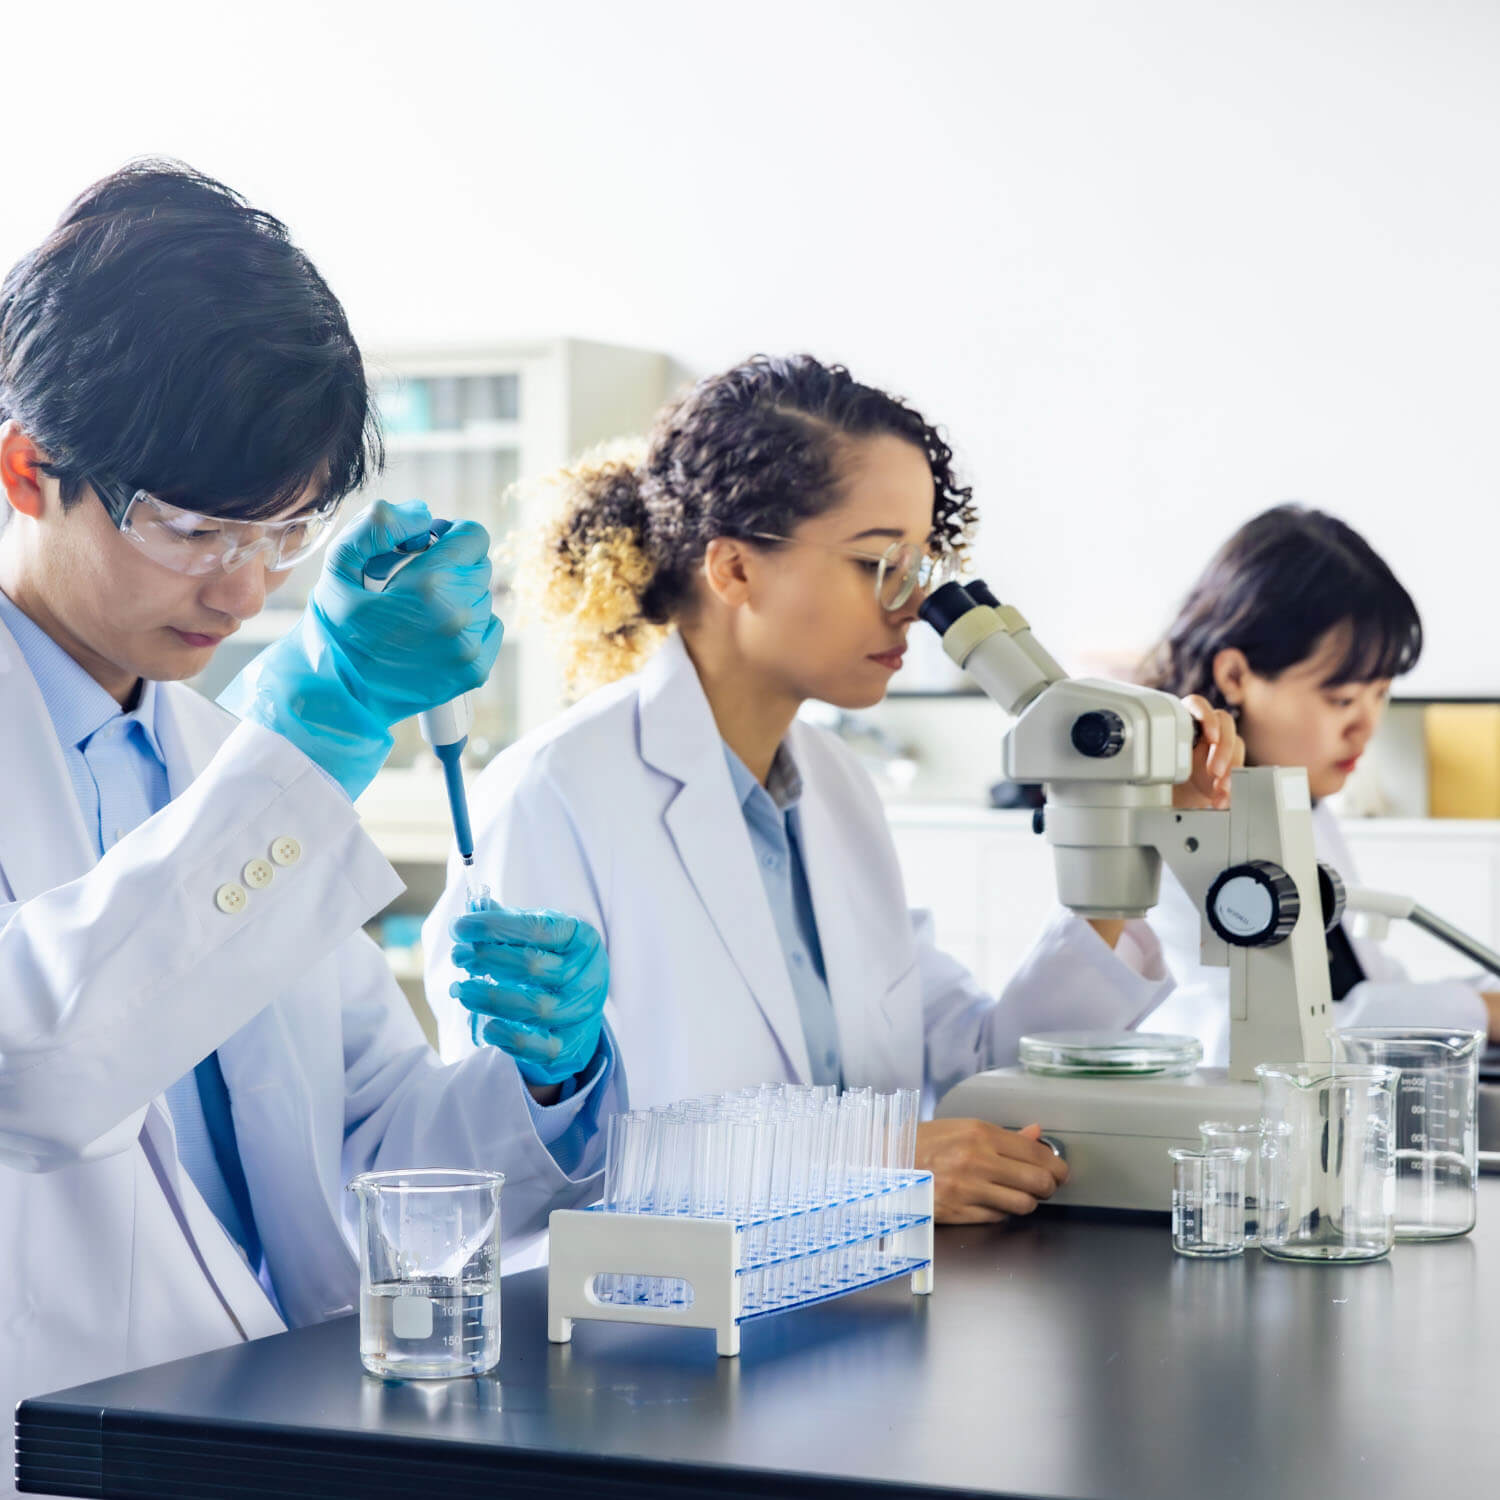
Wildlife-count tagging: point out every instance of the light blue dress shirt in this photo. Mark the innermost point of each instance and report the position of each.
(775, 824)
(119, 777)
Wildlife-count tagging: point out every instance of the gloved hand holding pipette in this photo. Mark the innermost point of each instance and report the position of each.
(536, 987)
(360, 661)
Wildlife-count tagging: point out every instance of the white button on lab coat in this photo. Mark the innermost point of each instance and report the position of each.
(623, 812)
(1199, 1006)
(119, 975)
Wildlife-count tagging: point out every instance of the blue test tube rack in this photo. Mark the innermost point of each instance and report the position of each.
(723, 1272)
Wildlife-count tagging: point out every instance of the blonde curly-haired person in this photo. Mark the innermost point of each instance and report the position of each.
(772, 546)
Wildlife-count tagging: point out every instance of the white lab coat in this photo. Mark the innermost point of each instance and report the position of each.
(1199, 1006)
(118, 975)
(623, 812)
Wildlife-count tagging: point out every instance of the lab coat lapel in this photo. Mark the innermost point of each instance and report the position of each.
(680, 738)
(269, 1095)
(852, 916)
(190, 730)
(238, 1289)
(43, 841)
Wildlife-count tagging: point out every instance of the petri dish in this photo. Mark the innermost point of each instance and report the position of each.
(1109, 1054)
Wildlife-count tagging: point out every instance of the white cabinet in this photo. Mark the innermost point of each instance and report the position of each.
(461, 427)
(985, 876)
(1452, 867)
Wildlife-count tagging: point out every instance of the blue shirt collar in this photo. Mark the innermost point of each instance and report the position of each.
(783, 785)
(76, 704)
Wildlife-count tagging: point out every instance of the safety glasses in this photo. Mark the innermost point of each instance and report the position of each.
(899, 571)
(188, 542)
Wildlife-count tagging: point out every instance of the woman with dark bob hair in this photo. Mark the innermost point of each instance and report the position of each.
(1298, 628)
(771, 545)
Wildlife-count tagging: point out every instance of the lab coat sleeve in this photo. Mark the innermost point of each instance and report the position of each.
(404, 1107)
(1444, 1002)
(116, 984)
(1390, 997)
(1072, 979)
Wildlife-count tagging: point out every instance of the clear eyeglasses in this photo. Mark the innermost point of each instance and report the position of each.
(900, 570)
(187, 542)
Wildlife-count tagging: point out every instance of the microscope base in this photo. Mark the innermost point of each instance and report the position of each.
(1114, 1131)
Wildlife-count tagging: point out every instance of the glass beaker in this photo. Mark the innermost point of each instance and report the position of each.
(1437, 1136)
(1328, 1160)
(1208, 1201)
(1216, 1135)
(429, 1272)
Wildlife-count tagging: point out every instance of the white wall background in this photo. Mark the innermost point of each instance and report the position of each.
(1155, 264)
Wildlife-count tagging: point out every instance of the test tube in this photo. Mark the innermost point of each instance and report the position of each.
(477, 896)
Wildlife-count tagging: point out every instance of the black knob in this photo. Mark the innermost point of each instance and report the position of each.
(1254, 905)
(1098, 733)
(1039, 820)
(1332, 893)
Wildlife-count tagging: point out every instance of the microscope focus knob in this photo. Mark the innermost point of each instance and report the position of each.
(1098, 733)
(1254, 905)
(1333, 895)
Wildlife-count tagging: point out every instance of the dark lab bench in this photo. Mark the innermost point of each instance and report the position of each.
(1071, 1355)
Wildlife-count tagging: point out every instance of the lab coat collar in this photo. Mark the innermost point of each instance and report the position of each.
(680, 739)
(190, 730)
(44, 842)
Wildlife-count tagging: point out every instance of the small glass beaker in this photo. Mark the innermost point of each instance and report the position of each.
(1216, 1135)
(1328, 1160)
(1437, 1137)
(429, 1272)
(1208, 1201)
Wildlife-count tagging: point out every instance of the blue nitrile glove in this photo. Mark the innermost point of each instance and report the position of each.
(359, 662)
(536, 987)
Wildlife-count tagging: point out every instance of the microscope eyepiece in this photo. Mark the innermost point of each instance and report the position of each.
(981, 593)
(947, 605)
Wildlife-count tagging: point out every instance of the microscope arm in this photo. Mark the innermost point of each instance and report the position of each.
(1388, 906)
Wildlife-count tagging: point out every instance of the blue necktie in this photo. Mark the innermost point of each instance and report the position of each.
(207, 1147)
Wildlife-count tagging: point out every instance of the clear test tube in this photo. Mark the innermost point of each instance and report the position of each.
(741, 1172)
(853, 1151)
(783, 1151)
(891, 1125)
(902, 1150)
(877, 1205)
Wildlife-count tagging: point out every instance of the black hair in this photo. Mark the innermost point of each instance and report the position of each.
(1275, 590)
(169, 337)
(757, 448)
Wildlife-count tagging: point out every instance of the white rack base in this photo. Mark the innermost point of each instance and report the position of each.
(714, 1261)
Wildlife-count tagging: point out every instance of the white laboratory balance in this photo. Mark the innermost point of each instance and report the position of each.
(1109, 755)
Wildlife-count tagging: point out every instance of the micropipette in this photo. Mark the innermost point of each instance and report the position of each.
(446, 727)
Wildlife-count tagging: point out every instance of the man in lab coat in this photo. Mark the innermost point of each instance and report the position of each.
(198, 1047)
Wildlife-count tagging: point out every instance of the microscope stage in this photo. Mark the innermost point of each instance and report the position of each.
(1114, 1132)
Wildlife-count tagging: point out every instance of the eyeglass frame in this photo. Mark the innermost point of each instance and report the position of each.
(117, 499)
(913, 580)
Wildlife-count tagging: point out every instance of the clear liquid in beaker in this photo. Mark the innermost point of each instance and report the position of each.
(1434, 1194)
(426, 1330)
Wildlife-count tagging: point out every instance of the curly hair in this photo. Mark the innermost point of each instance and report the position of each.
(758, 448)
